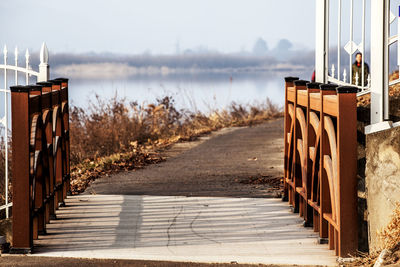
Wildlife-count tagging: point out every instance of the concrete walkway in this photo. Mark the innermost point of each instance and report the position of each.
(178, 228)
(214, 166)
(193, 207)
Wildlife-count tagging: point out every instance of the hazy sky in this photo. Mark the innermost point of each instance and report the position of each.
(135, 26)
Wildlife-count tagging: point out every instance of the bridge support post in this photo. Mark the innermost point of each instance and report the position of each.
(22, 217)
(347, 172)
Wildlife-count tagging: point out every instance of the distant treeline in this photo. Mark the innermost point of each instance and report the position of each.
(208, 60)
(184, 61)
(211, 61)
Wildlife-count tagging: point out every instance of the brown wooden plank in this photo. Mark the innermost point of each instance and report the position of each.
(331, 105)
(347, 172)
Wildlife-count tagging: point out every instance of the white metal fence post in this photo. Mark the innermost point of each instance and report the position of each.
(27, 57)
(16, 64)
(339, 37)
(6, 132)
(379, 66)
(44, 69)
(321, 45)
(378, 58)
(351, 41)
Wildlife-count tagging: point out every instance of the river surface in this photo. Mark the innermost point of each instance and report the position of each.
(196, 93)
(204, 92)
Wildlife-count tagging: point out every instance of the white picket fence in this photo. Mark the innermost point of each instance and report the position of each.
(41, 75)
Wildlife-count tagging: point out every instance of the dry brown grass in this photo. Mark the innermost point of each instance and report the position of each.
(390, 235)
(394, 92)
(390, 240)
(115, 135)
(110, 127)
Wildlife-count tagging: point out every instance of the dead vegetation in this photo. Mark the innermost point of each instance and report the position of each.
(394, 92)
(115, 135)
(390, 237)
(389, 253)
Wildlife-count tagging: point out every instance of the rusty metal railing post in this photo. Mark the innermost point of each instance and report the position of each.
(22, 211)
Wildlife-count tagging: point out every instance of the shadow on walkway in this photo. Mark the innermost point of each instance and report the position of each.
(198, 229)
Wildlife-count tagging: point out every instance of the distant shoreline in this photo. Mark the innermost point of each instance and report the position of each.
(123, 70)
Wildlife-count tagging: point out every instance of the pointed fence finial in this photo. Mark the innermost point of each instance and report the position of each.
(5, 51)
(16, 53)
(44, 69)
(333, 71)
(16, 64)
(44, 54)
(344, 75)
(27, 56)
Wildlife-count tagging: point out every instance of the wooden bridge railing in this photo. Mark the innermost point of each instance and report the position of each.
(321, 159)
(40, 158)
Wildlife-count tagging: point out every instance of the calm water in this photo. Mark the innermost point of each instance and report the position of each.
(194, 92)
(203, 93)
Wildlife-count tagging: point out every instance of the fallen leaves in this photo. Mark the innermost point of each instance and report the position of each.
(390, 235)
(84, 173)
(390, 238)
(271, 181)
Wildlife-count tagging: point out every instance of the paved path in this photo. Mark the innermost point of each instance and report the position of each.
(213, 167)
(191, 208)
(170, 228)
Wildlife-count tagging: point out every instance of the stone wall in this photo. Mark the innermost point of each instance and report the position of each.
(382, 180)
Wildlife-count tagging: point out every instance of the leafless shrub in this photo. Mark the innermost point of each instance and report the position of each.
(108, 127)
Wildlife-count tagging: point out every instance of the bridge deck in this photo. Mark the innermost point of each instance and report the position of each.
(196, 229)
